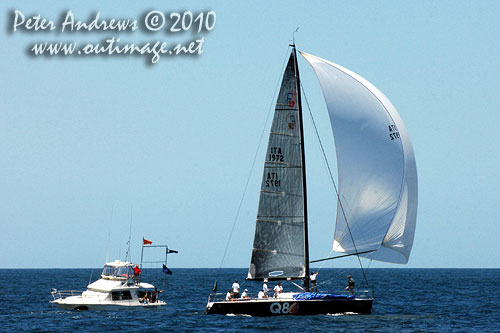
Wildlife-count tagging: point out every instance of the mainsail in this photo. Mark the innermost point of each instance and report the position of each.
(377, 174)
(279, 243)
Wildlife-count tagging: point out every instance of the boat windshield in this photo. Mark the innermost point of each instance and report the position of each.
(125, 271)
(121, 271)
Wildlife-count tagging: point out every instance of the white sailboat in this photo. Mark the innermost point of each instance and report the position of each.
(376, 194)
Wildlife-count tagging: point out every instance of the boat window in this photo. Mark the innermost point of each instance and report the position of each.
(124, 271)
(121, 295)
(126, 295)
(108, 270)
(115, 295)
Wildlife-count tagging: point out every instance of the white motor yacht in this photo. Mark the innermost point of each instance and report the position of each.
(117, 288)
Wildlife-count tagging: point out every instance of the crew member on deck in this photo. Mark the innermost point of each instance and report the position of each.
(228, 295)
(245, 294)
(278, 289)
(236, 289)
(265, 289)
(261, 294)
(313, 282)
(350, 285)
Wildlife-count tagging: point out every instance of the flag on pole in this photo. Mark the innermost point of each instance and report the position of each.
(166, 270)
(172, 251)
(215, 286)
(146, 242)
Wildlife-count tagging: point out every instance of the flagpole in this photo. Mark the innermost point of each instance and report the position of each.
(142, 250)
(165, 265)
(166, 256)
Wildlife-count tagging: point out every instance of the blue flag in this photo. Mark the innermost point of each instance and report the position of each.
(166, 270)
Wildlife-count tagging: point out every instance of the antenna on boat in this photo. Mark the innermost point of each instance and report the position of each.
(127, 255)
(293, 36)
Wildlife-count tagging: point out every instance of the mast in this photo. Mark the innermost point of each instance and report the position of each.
(302, 150)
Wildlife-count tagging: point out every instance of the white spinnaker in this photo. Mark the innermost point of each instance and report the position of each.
(377, 174)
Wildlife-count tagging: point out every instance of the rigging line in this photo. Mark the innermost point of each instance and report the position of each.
(321, 267)
(335, 186)
(324, 263)
(253, 164)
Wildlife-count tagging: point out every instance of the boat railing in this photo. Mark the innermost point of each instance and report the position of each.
(364, 293)
(359, 293)
(57, 294)
(216, 297)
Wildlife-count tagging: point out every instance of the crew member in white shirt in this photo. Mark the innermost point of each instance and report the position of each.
(245, 294)
(313, 282)
(236, 289)
(265, 288)
(278, 289)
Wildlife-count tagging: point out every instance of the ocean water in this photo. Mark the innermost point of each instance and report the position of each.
(406, 300)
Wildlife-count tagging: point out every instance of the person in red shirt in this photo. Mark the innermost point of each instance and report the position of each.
(137, 270)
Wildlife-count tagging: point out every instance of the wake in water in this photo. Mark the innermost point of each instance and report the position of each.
(342, 314)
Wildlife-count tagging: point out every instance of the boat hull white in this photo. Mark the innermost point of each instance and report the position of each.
(82, 305)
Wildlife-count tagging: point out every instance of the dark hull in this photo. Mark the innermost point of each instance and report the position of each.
(273, 307)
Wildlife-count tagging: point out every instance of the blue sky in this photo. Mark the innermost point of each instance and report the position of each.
(85, 140)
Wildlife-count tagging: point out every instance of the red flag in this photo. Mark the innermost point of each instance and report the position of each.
(146, 242)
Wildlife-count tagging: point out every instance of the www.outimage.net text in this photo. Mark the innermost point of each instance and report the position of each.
(151, 22)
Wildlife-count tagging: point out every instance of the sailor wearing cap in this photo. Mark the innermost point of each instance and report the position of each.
(265, 289)
(245, 294)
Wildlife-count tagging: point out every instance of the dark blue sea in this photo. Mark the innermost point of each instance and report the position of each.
(406, 300)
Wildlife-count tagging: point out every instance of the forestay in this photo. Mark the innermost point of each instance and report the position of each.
(279, 249)
(377, 177)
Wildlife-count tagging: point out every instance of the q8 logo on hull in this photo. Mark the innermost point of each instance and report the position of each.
(284, 308)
